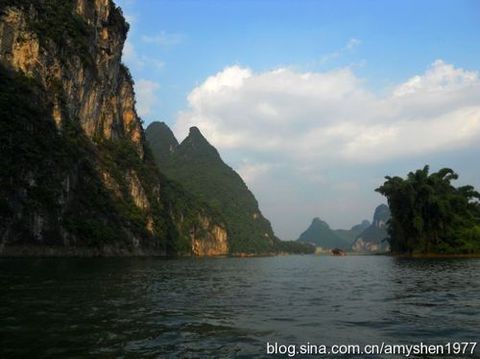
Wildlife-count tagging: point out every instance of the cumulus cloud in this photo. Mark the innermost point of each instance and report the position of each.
(331, 116)
(145, 91)
(318, 143)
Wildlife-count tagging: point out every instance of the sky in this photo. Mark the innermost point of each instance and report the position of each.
(314, 102)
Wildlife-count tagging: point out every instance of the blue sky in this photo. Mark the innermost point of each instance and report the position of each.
(398, 39)
(210, 63)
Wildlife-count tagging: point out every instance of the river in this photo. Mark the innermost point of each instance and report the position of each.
(225, 307)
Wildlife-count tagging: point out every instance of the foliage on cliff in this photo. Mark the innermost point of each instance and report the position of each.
(293, 247)
(430, 215)
(197, 166)
(57, 21)
(61, 185)
(36, 159)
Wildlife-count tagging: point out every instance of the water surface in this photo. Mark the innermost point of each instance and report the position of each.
(226, 307)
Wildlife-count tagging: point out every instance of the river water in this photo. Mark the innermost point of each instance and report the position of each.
(226, 307)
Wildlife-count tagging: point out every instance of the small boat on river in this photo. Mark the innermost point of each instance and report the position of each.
(337, 252)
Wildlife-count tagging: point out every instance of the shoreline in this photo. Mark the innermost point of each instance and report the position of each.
(434, 255)
(115, 252)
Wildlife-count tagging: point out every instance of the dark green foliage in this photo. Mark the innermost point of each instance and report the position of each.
(57, 21)
(36, 160)
(430, 215)
(161, 140)
(293, 247)
(320, 234)
(197, 166)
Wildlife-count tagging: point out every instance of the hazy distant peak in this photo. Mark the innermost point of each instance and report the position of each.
(359, 228)
(318, 222)
(382, 214)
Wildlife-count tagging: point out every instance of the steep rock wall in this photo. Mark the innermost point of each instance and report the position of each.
(77, 171)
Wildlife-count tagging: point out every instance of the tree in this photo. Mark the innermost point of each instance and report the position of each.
(430, 215)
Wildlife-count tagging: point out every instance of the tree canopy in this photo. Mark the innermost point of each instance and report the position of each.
(430, 215)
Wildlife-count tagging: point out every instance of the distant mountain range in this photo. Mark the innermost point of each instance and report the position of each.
(373, 238)
(363, 237)
(320, 234)
(351, 234)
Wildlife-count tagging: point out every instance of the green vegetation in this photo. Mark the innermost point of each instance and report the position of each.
(196, 166)
(56, 21)
(54, 180)
(37, 161)
(430, 215)
(293, 247)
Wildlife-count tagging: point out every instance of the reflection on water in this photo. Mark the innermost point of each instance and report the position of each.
(232, 306)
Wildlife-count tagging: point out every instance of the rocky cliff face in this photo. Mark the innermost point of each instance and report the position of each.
(76, 172)
(82, 70)
(212, 242)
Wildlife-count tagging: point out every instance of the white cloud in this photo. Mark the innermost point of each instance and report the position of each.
(145, 91)
(352, 43)
(350, 46)
(331, 116)
(440, 77)
(163, 39)
(250, 172)
(318, 143)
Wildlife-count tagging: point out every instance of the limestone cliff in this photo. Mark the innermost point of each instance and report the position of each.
(76, 172)
(209, 239)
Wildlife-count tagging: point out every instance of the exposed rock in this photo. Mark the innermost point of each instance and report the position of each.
(76, 177)
(215, 244)
(136, 191)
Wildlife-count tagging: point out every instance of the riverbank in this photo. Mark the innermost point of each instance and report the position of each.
(435, 255)
(108, 251)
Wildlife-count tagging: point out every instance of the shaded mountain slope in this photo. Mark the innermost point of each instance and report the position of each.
(198, 167)
(77, 177)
